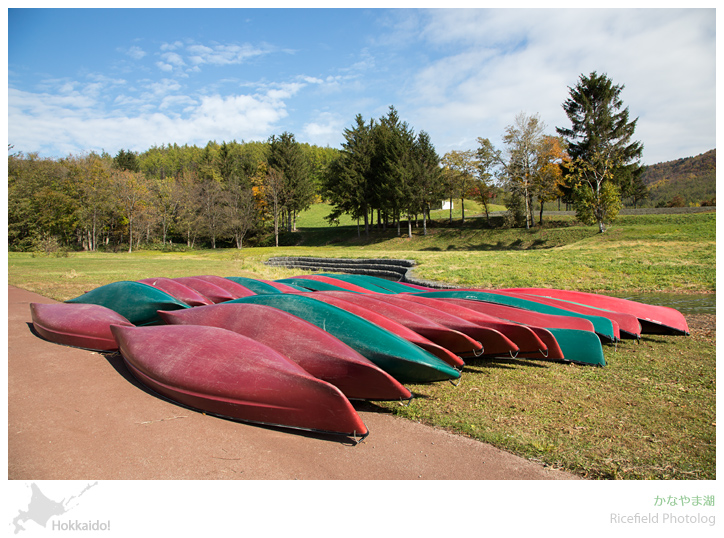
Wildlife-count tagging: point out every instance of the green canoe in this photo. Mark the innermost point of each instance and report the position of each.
(311, 285)
(404, 361)
(135, 301)
(257, 286)
(580, 347)
(602, 326)
(364, 281)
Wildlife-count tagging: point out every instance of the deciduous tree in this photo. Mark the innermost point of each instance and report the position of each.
(463, 167)
(522, 141)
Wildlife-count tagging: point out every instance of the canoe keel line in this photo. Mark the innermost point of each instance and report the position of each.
(294, 353)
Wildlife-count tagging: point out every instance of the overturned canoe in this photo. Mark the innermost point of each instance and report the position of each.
(319, 353)
(524, 338)
(526, 317)
(574, 337)
(235, 289)
(309, 284)
(333, 282)
(183, 293)
(135, 301)
(454, 341)
(207, 289)
(260, 286)
(371, 284)
(389, 285)
(86, 326)
(391, 326)
(604, 327)
(226, 374)
(491, 341)
(402, 360)
(628, 324)
(654, 319)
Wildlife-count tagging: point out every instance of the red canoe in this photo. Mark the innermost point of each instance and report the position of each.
(208, 289)
(86, 326)
(175, 289)
(654, 319)
(454, 341)
(492, 342)
(526, 317)
(234, 288)
(553, 349)
(628, 323)
(523, 337)
(315, 350)
(226, 374)
(390, 325)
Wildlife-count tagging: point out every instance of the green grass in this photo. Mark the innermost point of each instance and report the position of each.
(314, 217)
(650, 413)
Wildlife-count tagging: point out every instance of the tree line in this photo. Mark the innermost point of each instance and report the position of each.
(222, 194)
(218, 194)
(387, 170)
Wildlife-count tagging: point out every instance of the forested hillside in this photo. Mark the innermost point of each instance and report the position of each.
(683, 182)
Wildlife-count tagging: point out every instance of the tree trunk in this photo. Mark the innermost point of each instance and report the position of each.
(540, 220)
(130, 235)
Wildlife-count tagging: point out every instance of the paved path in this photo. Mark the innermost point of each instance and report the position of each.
(74, 414)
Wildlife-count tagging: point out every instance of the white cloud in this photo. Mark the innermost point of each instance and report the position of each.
(173, 59)
(73, 123)
(172, 46)
(325, 130)
(222, 54)
(491, 64)
(136, 53)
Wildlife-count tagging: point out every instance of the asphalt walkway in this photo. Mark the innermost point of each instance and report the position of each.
(78, 415)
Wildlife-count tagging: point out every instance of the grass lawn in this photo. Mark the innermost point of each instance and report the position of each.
(650, 413)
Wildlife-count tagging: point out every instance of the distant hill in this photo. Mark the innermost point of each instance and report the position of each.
(693, 179)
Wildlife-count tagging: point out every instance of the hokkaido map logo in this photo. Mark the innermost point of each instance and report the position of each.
(41, 509)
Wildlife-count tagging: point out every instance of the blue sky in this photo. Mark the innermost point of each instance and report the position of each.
(107, 79)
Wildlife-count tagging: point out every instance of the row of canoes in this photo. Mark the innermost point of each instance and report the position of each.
(294, 352)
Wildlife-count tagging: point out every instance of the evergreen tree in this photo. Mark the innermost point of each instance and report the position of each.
(126, 160)
(427, 186)
(601, 147)
(286, 156)
(347, 182)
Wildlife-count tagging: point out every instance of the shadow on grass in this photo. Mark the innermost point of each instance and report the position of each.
(481, 364)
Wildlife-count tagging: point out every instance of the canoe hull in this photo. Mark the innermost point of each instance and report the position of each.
(522, 337)
(454, 341)
(209, 290)
(319, 353)
(604, 327)
(139, 303)
(654, 319)
(86, 326)
(183, 293)
(628, 324)
(226, 374)
(402, 360)
(391, 326)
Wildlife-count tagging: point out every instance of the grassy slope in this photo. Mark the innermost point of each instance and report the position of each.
(649, 414)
